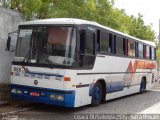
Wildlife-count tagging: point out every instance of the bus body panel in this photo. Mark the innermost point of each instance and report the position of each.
(82, 81)
(47, 78)
(127, 82)
(37, 86)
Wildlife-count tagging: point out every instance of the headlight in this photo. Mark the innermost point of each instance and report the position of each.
(16, 91)
(43, 94)
(13, 91)
(19, 91)
(56, 97)
(25, 92)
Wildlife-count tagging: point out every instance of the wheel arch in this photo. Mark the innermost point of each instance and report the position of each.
(145, 80)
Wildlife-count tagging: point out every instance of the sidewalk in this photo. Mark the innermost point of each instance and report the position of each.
(155, 109)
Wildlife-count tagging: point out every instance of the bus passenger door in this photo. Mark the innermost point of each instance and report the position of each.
(85, 63)
(86, 52)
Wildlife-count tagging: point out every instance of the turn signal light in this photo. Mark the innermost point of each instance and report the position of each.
(67, 79)
(11, 73)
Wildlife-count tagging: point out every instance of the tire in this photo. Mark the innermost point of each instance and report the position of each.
(96, 94)
(142, 86)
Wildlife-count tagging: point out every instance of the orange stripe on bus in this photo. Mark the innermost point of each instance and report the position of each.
(139, 64)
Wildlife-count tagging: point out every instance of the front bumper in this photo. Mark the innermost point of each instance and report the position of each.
(43, 95)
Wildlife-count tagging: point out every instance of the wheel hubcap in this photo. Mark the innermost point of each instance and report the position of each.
(142, 86)
(97, 93)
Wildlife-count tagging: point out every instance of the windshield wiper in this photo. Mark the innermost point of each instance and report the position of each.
(29, 53)
(27, 56)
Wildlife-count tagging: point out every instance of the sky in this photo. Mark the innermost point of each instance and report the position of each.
(150, 9)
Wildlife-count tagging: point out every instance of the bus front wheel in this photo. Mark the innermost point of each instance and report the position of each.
(96, 94)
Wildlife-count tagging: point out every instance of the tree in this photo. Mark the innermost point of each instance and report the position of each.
(139, 30)
(28, 8)
(101, 11)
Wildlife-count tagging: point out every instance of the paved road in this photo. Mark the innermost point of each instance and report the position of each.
(147, 103)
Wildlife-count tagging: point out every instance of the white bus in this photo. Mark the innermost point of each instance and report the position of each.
(73, 62)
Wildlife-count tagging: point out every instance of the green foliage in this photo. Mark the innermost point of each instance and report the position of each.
(101, 11)
(139, 30)
(158, 55)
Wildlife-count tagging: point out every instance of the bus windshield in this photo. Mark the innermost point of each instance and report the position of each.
(47, 45)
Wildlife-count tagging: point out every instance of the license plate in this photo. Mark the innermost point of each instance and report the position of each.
(34, 94)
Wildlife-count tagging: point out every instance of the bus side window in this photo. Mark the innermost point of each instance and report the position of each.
(144, 51)
(82, 42)
(119, 46)
(150, 53)
(104, 42)
(114, 39)
(111, 43)
(124, 46)
(131, 48)
(140, 50)
(87, 48)
(87, 40)
(147, 52)
(136, 49)
(98, 41)
(153, 53)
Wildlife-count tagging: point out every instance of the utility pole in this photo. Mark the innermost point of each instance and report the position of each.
(158, 50)
(159, 35)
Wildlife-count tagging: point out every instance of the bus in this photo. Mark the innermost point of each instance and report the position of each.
(72, 62)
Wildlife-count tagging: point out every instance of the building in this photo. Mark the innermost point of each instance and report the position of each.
(9, 21)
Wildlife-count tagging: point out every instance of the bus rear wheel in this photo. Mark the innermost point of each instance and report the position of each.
(142, 86)
(96, 94)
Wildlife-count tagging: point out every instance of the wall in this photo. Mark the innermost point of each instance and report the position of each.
(9, 21)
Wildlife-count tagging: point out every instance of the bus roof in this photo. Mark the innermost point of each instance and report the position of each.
(70, 21)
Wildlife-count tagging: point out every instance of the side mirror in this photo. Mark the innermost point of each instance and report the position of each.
(11, 41)
(8, 43)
